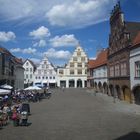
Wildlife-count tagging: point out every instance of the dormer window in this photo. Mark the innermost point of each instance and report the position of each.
(27, 63)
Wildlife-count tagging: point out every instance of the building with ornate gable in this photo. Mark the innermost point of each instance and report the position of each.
(74, 74)
(29, 67)
(121, 36)
(45, 74)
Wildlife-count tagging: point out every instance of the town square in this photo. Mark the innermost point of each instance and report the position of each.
(69, 70)
(77, 114)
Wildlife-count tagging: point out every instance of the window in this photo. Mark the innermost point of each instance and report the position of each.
(46, 77)
(86, 65)
(53, 77)
(74, 58)
(36, 77)
(31, 76)
(50, 77)
(45, 71)
(71, 64)
(30, 69)
(27, 64)
(94, 73)
(60, 71)
(137, 69)
(79, 65)
(42, 77)
(51, 71)
(79, 71)
(39, 71)
(117, 70)
(71, 71)
(123, 69)
(26, 76)
(111, 71)
(26, 69)
(45, 62)
(47, 66)
(85, 71)
(78, 53)
(83, 59)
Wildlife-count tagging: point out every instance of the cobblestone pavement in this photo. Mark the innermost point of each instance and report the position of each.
(77, 114)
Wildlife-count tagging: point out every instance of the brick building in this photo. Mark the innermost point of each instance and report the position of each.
(122, 33)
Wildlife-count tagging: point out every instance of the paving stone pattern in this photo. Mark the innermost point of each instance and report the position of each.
(77, 114)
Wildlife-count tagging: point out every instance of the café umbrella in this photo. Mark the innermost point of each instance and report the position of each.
(32, 88)
(6, 86)
(4, 91)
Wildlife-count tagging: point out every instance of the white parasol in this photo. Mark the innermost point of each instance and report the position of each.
(4, 91)
(32, 88)
(6, 86)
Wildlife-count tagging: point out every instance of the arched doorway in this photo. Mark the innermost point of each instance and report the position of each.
(71, 83)
(79, 83)
(111, 90)
(100, 87)
(118, 89)
(126, 93)
(95, 86)
(105, 88)
(136, 92)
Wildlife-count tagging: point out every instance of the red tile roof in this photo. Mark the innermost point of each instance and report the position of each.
(136, 40)
(18, 60)
(4, 50)
(101, 59)
(91, 63)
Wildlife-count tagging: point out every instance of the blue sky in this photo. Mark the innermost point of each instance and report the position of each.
(31, 28)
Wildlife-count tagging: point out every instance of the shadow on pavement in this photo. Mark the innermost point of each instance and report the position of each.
(130, 136)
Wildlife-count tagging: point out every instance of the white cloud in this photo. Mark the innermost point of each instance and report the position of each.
(15, 50)
(24, 51)
(92, 58)
(35, 60)
(64, 40)
(7, 36)
(74, 13)
(78, 14)
(61, 54)
(39, 33)
(29, 51)
(41, 43)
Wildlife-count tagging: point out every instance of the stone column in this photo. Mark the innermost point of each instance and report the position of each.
(75, 83)
(67, 83)
(132, 98)
(122, 95)
(83, 83)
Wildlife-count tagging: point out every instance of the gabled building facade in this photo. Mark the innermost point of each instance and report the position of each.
(74, 74)
(121, 36)
(29, 68)
(45, 74)
(135, 68)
